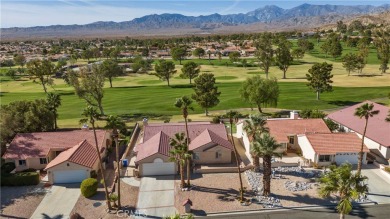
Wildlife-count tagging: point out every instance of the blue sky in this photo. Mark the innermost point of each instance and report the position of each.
(15, 13)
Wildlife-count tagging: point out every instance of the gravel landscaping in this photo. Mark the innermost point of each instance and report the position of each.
(21, 201)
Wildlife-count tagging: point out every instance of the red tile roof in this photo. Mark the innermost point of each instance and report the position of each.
(83, 154)
(158, 144)
(193, 129)
(38, 144)
(156, 137)
(330, 144)
(207, 137)
(282, 128)
(378, 129)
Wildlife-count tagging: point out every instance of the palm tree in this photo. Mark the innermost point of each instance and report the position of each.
(184, 103)
(90, 113)
(115, 123)
(53, 102)
(178, 153)
(233, 114)
(255, 126)
(266, 147)
(340, 180)
(366, 111)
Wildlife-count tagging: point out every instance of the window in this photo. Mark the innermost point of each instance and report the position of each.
(218, 154)
(22, 162)
(196, 156)
(324, 158)
(291, 139)
(43, 160)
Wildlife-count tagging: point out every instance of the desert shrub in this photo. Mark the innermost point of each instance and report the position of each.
(387, 169)
(89, 187)
(216, 119)
(20, 179)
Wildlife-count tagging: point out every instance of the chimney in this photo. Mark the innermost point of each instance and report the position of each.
(294, 115)
(85, 127)
(145, 121)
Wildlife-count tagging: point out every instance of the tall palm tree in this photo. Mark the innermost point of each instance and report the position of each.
(53, 102)
(254, 127)
(233, 114)
(184, 103)
(340, 180)
(90, 113)
(366, 110)
(266, 147)
(178, 153)
(115, 123)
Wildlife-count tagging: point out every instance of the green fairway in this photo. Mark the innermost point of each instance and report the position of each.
(159, 99)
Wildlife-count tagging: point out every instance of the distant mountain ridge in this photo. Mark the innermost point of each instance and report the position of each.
(148, 23)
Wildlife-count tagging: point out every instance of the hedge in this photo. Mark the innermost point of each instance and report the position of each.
(7, 167)
(20, 179)
(89, 187)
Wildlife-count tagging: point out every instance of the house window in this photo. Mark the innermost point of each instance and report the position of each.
(218, 154)
(324, 158)
(43, 160)
(291, 139)
(22, 162)
(196, 156)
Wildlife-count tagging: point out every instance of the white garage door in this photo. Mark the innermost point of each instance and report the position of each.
(69, 176)
(158, 168)
(351, 158)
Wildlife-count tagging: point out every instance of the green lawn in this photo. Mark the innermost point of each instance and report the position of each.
(159, 99)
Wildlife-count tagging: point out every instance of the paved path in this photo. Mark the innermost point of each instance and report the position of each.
(156, 196)
(58, 202)
(378, 185)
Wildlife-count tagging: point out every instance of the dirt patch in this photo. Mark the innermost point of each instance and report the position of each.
(218, 193)
(20, 202)
(95, 207)
(213, 193)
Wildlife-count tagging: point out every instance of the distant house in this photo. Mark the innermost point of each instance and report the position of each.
(68, 156)
(285, 131)
(378, 130)
(209, 145)
(324, 149)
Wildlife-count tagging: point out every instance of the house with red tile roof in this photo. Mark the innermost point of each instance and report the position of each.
(68, 156)
(209, 144)
(285, 131)
(323, 149)
(377, 136)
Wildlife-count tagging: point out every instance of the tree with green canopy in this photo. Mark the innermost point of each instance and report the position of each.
(206, 93)
(320, 78)
(41, 70)
(111, 69)
(190, 70)
(260, 92)
(165, 70)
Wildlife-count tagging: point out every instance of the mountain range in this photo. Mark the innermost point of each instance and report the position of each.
(266, 18)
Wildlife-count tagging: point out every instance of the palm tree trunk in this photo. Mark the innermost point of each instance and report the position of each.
(267, 175)
(101, 167)
(118, 169)
(181, 175)
(256, 162)
(342, 216)
(360, 161)
(188, 144)
(237, 161)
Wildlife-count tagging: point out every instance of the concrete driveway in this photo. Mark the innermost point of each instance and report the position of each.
(156, 196)
(58, 202)
(379, 186)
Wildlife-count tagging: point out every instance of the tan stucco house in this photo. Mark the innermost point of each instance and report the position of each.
(208, 142)
(68, 156)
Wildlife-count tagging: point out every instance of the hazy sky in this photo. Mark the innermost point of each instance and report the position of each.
(15, 13)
